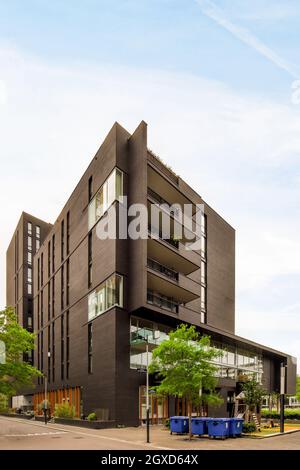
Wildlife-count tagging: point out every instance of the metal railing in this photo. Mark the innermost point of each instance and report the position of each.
(162, 269)
(162, 302)
(170, 241)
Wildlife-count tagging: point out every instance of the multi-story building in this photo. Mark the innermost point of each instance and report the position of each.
(26, 241)
(96, 299)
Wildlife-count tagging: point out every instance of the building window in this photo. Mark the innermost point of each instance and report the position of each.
(29, 257)
(68, 283)
(29, 243)
(68, 232)
(49, 259)
(62, 347)
(107, 295)
(90, 348)
(203, 272)
(42, 308)
(42, 269)
(29, 321)
(203, 298)
(49, 301)
(38, 232)
(141, 329)
(62, 240)
(53, 352)
(38, 310)
(29, 275)
(90, 188)
(53, 296)
(203, 223)
(53, 254)
(39, 274)
(37, 245)
(109, 192)
(29, 228)
(203, 317)
(29, 289)
(62, 287)
(67, 345)
(90, 259)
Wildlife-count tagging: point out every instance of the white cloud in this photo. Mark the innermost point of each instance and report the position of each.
(240, 152)
(3, 92)
(221, 18)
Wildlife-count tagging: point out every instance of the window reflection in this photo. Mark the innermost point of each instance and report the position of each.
(109, 192)
(108, 294)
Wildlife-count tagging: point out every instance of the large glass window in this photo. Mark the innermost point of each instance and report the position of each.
(108, 294)
(29, 228)
(109, 192)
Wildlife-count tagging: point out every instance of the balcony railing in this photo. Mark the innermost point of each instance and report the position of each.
(162, 302)
(171, 241)
(162, 269)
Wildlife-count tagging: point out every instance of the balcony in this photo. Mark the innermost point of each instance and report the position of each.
(163, 302)
(165, 187)
(177, 217)
(173, 254)
(182, 291)
(152, 264)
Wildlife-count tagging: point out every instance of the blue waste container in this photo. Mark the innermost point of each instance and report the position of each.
(218, 427)
(236, 427)
(179, 424)
(199, 426)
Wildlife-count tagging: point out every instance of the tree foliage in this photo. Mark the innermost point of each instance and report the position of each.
(15, 373)
(253, 392)
(183, 362)
(298, 388)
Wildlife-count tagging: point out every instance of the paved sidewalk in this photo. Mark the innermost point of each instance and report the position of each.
(21, 434)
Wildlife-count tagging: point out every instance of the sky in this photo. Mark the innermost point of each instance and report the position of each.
(217, 83)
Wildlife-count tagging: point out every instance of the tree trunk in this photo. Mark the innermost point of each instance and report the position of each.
(247, 414)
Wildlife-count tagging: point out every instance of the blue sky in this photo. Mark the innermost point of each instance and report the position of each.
(213, 81)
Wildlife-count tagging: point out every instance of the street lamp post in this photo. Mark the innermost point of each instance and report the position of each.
(282, 394)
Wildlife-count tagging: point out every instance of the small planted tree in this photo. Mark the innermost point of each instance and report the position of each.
(184, 364)
(253, 395)
(14, 372)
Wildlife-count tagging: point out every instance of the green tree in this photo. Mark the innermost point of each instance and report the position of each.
(253, 395)
(298, 388)
(184, 364)
(15, 373)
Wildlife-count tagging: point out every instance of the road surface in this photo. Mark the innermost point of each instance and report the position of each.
(20, 434)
